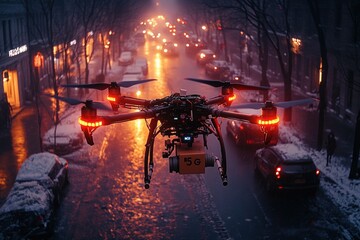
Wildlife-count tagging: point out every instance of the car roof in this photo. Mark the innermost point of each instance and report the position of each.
(220, 63)
(140, 60)
(28, 197)
(133, 69)
(131, 77)
(38, 165)
(291, 152)
(206, 51)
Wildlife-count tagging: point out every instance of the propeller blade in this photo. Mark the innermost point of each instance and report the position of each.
(98, 86)
(70, 101)
(240, 86)
(213, 83)
(258, 105)
(219, 83)
(127, 84)
(294, 103)
(255, 105)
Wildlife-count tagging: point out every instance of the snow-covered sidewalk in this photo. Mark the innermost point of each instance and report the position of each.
(344, 192)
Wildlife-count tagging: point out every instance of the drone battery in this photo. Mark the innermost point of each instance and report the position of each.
(191, 159)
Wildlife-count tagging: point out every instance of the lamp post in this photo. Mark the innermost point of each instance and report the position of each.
(38, 60)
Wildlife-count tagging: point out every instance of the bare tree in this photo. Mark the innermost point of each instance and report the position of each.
(315, 13)
(43, 32)
(88, 13)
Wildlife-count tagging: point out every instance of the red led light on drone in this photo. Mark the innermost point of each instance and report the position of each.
(269, 122)
(111, 99)
(90, 124)
(231, 97)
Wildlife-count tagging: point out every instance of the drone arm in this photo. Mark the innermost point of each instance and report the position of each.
(216, 100)
(235, 115)
(134, 101)
(222, 165)
(107, 120)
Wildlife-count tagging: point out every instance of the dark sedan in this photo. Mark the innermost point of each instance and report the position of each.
(218, 69)
(287, 166)
(249, 134)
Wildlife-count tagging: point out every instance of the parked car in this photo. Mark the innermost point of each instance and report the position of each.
(68, 138)
(126, 58)
(194, 45)
(287, 166)
(136, 90)
(130, 46)
(139, 38)
(204, 56)
(170, 49)
(28, 209)
(249, 134)
(27, 212)
(49, 170)
(218, 69)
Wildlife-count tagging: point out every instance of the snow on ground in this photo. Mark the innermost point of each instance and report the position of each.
(344, 192)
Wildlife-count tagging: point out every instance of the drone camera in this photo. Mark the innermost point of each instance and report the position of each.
(188, 160)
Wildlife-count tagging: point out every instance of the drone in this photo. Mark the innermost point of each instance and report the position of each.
(184, 120)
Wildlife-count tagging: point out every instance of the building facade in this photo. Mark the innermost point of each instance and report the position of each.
(14, 53)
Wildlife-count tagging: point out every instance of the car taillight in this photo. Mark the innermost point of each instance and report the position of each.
(317, 172)
(277, 172)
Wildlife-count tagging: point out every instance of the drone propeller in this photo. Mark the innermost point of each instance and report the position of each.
(219, 83)
(103, 86)
(258, 105)
(88, 103)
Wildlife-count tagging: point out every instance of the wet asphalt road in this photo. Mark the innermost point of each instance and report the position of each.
(106, 198)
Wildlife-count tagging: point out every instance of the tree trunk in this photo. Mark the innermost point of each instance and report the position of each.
(354, 171)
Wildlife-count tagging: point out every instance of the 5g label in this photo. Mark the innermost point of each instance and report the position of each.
(188, 161)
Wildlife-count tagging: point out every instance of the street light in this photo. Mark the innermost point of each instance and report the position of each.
(38, 61)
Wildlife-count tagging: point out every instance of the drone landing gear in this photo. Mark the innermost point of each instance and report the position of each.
(221, 165)
(149, 147)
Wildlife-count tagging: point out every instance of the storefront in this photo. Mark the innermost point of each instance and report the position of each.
(11, 87)
(15, 76)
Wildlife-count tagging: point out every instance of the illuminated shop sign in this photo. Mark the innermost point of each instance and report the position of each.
(17, 51)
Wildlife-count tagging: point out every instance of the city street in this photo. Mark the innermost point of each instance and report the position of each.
(106, 198)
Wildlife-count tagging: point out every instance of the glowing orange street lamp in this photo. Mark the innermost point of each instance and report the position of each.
(38, 59)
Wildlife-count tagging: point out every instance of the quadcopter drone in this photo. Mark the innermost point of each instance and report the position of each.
(186, 121)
